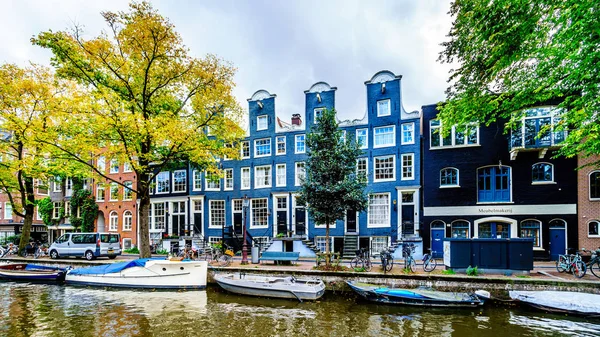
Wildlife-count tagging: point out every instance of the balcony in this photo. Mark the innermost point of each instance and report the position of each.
(537, 131)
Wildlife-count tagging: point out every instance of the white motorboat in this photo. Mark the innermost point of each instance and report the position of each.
(267, 286)
(143, 273)
(571, 302)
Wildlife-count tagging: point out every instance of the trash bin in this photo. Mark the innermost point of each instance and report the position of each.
(255, 255)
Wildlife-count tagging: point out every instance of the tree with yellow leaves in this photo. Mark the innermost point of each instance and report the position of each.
(150, 102)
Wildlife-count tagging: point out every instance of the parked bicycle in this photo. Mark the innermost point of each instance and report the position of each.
(409, 262)
(216, 254)
(594, 264)
(571, 263)
(188, 252)
(9, 250)
(41, 251)
(362, 260)
(387, 261)
(429, 263)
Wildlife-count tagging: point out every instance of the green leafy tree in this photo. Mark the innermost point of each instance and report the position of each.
(147, 102)
(331, 186)
(84, 209)
(514, 54)
(45, 207)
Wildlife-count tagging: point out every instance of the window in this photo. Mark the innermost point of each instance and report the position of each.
(321, 242)
(114, 192)
(595, 185)
(262, 147)
(542, 173)
(300, 144)
(101, 164)
(408, 133)
(300, 174)
(379, 210)
(127, 167)
(385, 136)
(217, 213)
(493, 184)
(343, 137)
(55, 210)
(128, 191)
(408, 167)
(67, 209)
(57, 184)
(38, 214)
(262, 176)
(100, 192)
(362, 138)
(280, 140)
(179, 181)
(383, 108)
(262, 122)
(159, 216)
(449, 177)
(114, 166)
(538, 128)
(361, 167)
(69, 187)
(378, 243)
(281, 175)
(459, 136)
(460, 229)
(318, 113)
(384, 168)
(113, 221)
(42, 187)
(245, 178)
(494, 230)
(531, 229)
(260, 215)
(594, 228)
(229, 179)
(213, 182)
(162, 182)
(8, 210)
(245, 149)
(197, 180)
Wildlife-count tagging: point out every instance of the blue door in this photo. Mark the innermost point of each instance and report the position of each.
(437, 241)
(557, 242)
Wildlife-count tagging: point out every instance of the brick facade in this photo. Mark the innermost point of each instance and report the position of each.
(588, 210)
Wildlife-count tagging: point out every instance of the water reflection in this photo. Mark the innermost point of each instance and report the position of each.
(46, 310)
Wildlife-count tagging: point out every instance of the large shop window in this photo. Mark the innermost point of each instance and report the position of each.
(594, 228)
(260, 214)
(460, 229)
(531, 229)
(542, 173)
(494, 230)
(379, 210)
(595, 185)
(493, 184)
(449, 177)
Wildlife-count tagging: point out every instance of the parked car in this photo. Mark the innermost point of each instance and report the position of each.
(88, 245)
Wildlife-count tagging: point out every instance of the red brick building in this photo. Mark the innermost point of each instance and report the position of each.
(12, 224)
(588, 205)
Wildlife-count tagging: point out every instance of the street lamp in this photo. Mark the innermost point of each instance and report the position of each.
(245, 204)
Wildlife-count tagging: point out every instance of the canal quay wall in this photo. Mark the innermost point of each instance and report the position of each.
(497, 285)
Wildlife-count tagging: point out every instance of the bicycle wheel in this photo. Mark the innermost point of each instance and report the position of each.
(355, 263)
(367, 264)
(429, 265)
(412, 265)
(579, 269)
(561, 263)
(224, 260)
(595, 268)
(389, 265)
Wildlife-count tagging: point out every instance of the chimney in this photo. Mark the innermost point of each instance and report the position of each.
(296, 119)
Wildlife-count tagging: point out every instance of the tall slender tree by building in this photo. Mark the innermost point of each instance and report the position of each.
(331, 186)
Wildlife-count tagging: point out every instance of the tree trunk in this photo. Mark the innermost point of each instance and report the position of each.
(28, 207)
(327, 248)
(144, 225)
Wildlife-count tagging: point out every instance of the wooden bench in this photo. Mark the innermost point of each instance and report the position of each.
(280, 256)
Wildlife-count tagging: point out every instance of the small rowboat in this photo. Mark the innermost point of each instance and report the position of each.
(31, 272)
(277, 287)
(564, 302)
(420, 296)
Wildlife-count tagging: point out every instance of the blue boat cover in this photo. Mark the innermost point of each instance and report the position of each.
(111, 268)
(38, 267)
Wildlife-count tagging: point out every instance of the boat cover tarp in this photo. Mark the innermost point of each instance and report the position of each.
(38, 267)
(563, 300)
(423, 293)
(111, 268)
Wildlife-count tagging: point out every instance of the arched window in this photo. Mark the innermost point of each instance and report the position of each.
(439, 224)
(449, 177)
(594, 228)
(542, 173)
(127, 220)
(595, 185)
(493, 184)
(461, 229)
(113, 221)
(531, 229)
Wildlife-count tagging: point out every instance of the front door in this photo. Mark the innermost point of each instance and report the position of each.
(198, 217)
(407, 213)
(557, 241)
(237, 217)
(300, 215)
(281, 209)
(178, 218)
(351, 221)
(437, 241)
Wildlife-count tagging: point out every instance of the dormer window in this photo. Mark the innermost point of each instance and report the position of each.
(383, 108)
(262, 122)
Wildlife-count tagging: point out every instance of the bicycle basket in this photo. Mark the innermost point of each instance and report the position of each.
(229, 252)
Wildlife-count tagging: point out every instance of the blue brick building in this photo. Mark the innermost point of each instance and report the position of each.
(483, 182)
(271, 169)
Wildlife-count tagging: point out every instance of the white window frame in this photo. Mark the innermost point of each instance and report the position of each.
(114, 166)
(127, 218)
(589, 185)
(256, 155)
(366, 144)
(57, 185)
(411, 132)
(210, 213)
(113, 227)
(208, 181)
(127, 167)
(184, 181)
(100, 187)
(228, 180)
(277, 175)
(277, 139)
(110, 194)
(366, 160)
(297, 181)
(101, 164)
(588, 229)
(412, 166)
(68, 187)
(8, 211)
(37, 212)
(316, 112)
(457, 178)
(242, 149)
(375, 159)
(67, 209)
(252, 225)
(163, 175)
(128, 191)
(257, 178)
(380, 111)
(540, 233)
(389, 211)
(543, 182)
(452, 136)
(262, 118)
(197, 180)
(40, 183)
(55, 209)
(375, 146)
(296, 137)
(249, 179)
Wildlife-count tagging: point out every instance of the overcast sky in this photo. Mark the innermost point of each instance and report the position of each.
(281, 46)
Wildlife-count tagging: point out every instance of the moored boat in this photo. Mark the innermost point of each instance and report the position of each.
(143, 273)
(570, 302)
(419, 296)
(267, 286)
(32, 272)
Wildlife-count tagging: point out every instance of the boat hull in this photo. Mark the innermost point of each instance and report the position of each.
(31, 273)
(273, 287)
(159, 274)
(560, 302)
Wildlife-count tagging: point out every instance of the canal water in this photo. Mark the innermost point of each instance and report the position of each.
(52, 310)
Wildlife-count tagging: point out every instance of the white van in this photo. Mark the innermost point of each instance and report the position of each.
(88, 245)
